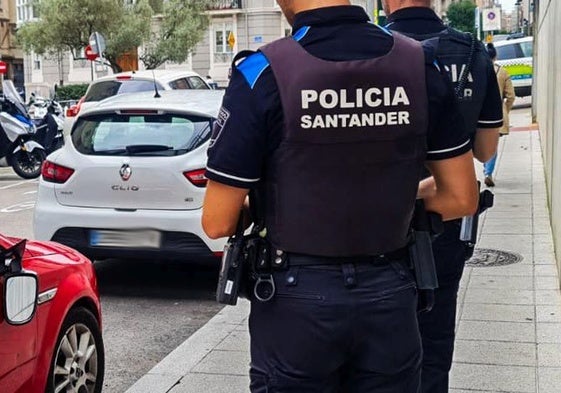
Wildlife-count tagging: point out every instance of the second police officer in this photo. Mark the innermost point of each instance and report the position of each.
(473, 76)
(336, 123)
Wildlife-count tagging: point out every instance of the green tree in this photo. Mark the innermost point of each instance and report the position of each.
(182, 26)
(461, 15)
(157, 6)
(67, 25)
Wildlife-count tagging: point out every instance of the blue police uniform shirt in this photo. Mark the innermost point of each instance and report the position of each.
(249, 125)
(422, 20)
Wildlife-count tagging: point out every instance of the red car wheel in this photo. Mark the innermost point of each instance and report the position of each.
(79, 360)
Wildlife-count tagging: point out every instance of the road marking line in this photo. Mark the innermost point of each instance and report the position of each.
(18, 207)
(30, 192)
(16, 184)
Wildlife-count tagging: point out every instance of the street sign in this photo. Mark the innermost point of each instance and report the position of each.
(90, 54)
(3, 67)
(97, 43)
(231, 39)
(491, 19)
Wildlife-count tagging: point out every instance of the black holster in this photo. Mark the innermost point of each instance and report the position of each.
(470, 224)
(233, 265)
(424, 227)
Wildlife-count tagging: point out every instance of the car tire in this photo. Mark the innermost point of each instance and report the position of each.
(79, 357)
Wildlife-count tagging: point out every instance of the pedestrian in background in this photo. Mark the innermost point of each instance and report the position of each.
(475, 84)
(507, 94)
(336, 123)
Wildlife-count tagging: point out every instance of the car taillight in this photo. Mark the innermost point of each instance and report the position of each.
(54, 173)
(197, 177)
(75, 109)
(124, 77)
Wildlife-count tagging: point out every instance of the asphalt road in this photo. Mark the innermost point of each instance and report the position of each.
(149, 307)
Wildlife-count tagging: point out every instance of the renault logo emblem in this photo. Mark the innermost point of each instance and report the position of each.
(125, 172)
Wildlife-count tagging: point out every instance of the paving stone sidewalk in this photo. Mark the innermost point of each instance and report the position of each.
(509, 316)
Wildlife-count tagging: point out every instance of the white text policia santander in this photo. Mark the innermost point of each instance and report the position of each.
(363, 98)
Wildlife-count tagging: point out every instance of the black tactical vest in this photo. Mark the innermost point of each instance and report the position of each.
(344, 178)
(453, 51)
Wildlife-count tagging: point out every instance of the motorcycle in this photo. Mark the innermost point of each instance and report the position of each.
(48, 120)
(18, 148)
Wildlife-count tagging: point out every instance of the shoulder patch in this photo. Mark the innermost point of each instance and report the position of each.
(252, 67)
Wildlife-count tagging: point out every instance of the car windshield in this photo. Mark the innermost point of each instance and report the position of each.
(140, 135)
(102, 90)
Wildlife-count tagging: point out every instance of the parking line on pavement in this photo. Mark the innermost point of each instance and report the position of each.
(16, 184)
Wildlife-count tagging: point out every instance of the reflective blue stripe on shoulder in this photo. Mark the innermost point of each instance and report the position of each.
(384, 29)
(301, 33)
(252, 67)
(436, 65)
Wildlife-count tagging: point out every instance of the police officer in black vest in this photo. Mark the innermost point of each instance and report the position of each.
(473, 76)
(336, 123)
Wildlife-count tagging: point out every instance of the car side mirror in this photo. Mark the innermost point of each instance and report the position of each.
(20, 298)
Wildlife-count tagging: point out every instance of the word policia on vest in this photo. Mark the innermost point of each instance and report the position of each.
(372, 98)
(455, 72)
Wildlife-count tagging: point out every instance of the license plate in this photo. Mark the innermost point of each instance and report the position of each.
(125, 238)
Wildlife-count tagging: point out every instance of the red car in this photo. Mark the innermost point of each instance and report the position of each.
(50, 320)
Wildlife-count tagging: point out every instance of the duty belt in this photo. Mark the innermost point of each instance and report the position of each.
(282, 260)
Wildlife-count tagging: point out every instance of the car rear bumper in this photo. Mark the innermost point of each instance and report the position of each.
(182, 236)
(174, 245)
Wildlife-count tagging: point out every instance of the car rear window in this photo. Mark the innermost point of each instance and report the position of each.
(102, 90)
(140, 134)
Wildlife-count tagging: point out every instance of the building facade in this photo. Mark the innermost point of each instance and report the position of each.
(547, 104)
(9, 53)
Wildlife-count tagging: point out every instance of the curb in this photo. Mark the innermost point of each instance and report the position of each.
(170, 371)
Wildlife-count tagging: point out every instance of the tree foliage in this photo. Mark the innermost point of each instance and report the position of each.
(183, 25)
(461, 15)
(67, 25)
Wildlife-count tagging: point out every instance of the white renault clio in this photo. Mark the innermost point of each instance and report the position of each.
(129, 181)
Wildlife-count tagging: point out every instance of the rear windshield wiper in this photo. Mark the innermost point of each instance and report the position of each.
(110, 152)
(134, 149)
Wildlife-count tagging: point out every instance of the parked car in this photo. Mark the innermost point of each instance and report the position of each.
(515, 55)
(135, 81)
(50, 319)
(129, 181)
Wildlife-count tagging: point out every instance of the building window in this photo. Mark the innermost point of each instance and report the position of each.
(222, 49)
(25, 11)
(36, 62)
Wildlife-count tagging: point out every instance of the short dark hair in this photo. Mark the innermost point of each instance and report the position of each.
(491, 50)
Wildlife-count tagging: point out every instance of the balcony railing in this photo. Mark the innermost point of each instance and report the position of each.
(225, 5)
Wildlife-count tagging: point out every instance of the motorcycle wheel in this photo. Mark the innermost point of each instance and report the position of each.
(27, 164)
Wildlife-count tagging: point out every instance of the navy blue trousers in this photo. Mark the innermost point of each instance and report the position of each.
(349, 328)
(438, 326)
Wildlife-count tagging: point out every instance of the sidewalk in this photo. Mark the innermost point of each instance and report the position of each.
(509, 316)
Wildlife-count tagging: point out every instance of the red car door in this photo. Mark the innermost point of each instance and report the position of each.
(18, 349)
